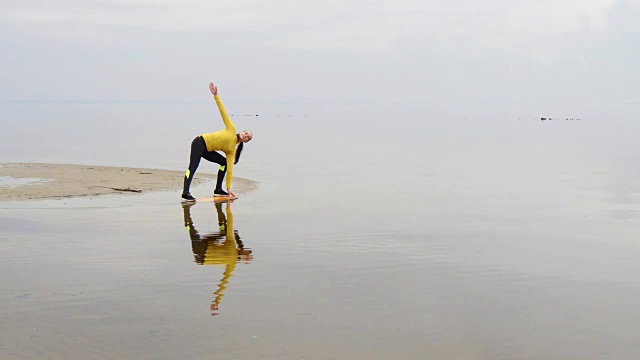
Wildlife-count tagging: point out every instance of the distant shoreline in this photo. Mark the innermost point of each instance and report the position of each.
(69, 180)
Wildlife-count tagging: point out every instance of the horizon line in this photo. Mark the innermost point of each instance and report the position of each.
(194, 102)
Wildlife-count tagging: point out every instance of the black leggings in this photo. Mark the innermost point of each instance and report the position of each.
(199, 150)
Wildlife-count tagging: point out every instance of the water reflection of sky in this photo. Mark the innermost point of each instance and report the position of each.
(381, 231)
(11, 182)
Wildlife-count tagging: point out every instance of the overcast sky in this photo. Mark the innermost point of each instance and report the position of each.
(496, 51)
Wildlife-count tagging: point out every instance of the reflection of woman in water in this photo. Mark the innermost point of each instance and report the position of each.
(222, 248)
(207, 146)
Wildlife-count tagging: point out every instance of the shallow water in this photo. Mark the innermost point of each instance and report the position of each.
(11, 182)
(413, 231)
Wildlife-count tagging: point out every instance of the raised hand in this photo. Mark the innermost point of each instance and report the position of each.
(213, 88)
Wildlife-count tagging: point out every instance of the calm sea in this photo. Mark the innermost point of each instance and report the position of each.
(431, 231)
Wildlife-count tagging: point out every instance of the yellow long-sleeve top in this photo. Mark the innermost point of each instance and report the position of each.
(224, 140)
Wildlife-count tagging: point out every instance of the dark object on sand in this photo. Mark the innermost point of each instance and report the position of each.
(121, 189)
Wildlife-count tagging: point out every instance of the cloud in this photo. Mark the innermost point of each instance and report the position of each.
(353, 25)
(291, 51)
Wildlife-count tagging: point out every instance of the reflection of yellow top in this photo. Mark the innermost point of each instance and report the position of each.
(223, 140)
(223, 254)
(216, 248)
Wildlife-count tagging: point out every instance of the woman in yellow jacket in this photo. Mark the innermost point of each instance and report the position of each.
(207, 146)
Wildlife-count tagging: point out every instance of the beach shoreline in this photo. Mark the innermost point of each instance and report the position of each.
(38, 181)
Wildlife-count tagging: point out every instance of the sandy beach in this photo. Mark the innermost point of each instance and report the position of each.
(33, 181)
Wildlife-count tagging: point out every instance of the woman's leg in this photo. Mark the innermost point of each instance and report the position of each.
(217, 158)
(198, 148)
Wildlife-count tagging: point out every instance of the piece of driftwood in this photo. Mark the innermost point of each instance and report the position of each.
(120, 189)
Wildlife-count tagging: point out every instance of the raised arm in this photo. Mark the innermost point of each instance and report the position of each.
(225, 118)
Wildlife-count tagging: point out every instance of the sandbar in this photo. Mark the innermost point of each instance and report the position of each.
(35, 181)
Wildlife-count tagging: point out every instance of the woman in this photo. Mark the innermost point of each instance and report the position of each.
(207, 145)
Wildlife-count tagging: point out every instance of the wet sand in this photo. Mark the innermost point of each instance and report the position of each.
(50, 181)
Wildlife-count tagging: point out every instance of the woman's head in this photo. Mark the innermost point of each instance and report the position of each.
(245, 136)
